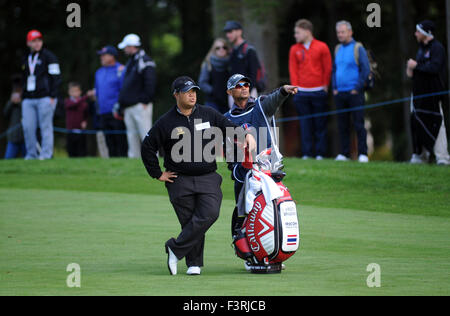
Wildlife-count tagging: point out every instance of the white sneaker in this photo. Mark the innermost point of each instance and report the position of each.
(341, 158)
(363, 159)
(306, 157)
(319, 158)
(194, 271)
(443, 162)
(416, 159)
(172, 261)
(247, 266)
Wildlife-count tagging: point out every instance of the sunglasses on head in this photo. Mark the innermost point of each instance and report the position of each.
(241, 85)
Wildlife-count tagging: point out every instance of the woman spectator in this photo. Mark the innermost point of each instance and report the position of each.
(214, 75)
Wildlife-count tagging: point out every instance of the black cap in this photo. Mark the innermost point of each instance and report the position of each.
(232, 25)
(426, 27)
(184, 84)
(235, 79)
(111, 50)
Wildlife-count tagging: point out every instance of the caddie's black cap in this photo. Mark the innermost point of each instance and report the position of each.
(232, 25)
(235, 79)
(184, 84)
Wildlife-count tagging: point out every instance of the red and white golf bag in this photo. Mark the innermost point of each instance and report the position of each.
(269, 233)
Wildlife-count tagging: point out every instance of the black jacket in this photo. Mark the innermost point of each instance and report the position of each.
(213, 81)
(48, 76)
(429, 75)
(244, 61)
(139, 81)
(173, 123)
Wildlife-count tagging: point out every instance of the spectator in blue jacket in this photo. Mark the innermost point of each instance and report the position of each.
(108, 82)
(350, 72)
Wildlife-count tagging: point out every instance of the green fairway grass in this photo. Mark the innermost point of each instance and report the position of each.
(109, 217)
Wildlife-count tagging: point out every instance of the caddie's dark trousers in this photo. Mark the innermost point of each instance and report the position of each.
(196, 200)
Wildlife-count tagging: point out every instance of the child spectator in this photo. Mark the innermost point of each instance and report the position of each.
(76, 120)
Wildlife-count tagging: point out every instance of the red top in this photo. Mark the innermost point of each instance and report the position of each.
(76, 112)
(310, 68)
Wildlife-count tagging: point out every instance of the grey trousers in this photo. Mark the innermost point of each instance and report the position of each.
(38, 113)
(197, 202)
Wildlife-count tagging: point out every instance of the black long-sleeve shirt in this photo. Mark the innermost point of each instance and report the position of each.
(48, 75)
(171, 130)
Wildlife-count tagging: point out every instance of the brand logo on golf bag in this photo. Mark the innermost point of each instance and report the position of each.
(252, 224)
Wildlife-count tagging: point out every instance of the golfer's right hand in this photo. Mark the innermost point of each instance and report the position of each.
(167, 176)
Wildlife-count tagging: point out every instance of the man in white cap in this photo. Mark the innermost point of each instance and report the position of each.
(427, 120)
(137, 93)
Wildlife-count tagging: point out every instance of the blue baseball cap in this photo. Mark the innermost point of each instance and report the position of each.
(111, 50)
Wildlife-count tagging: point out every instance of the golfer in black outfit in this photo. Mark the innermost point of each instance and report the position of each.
(194, 187)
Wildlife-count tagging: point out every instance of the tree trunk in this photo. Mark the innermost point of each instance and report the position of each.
(224, 10)
(404, 26)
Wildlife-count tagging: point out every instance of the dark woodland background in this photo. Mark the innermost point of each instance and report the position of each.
(178, 34)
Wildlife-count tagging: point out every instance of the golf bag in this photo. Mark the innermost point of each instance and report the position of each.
(268, 234)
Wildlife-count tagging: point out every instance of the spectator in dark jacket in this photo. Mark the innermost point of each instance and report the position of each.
(244, 58)
(137, 93)
(40, 92)
(76, 120)
(427, 120)
(13, 113)
(214, 76)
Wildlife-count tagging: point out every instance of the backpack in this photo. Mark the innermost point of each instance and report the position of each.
(261, 75)
(374, 74)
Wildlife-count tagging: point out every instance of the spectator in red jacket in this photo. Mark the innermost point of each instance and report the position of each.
(310, 68)
(76, 120)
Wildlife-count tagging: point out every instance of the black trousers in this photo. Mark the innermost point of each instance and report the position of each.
(76, 145)
(117, 143)
(197, 201)
(346, 100)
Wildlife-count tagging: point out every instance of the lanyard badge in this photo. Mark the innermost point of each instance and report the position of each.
(31, 80)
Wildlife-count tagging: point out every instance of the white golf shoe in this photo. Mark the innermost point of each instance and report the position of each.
(194, 271)
(363, 159)
(416, 159)
(341, 158)
(172, 261)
